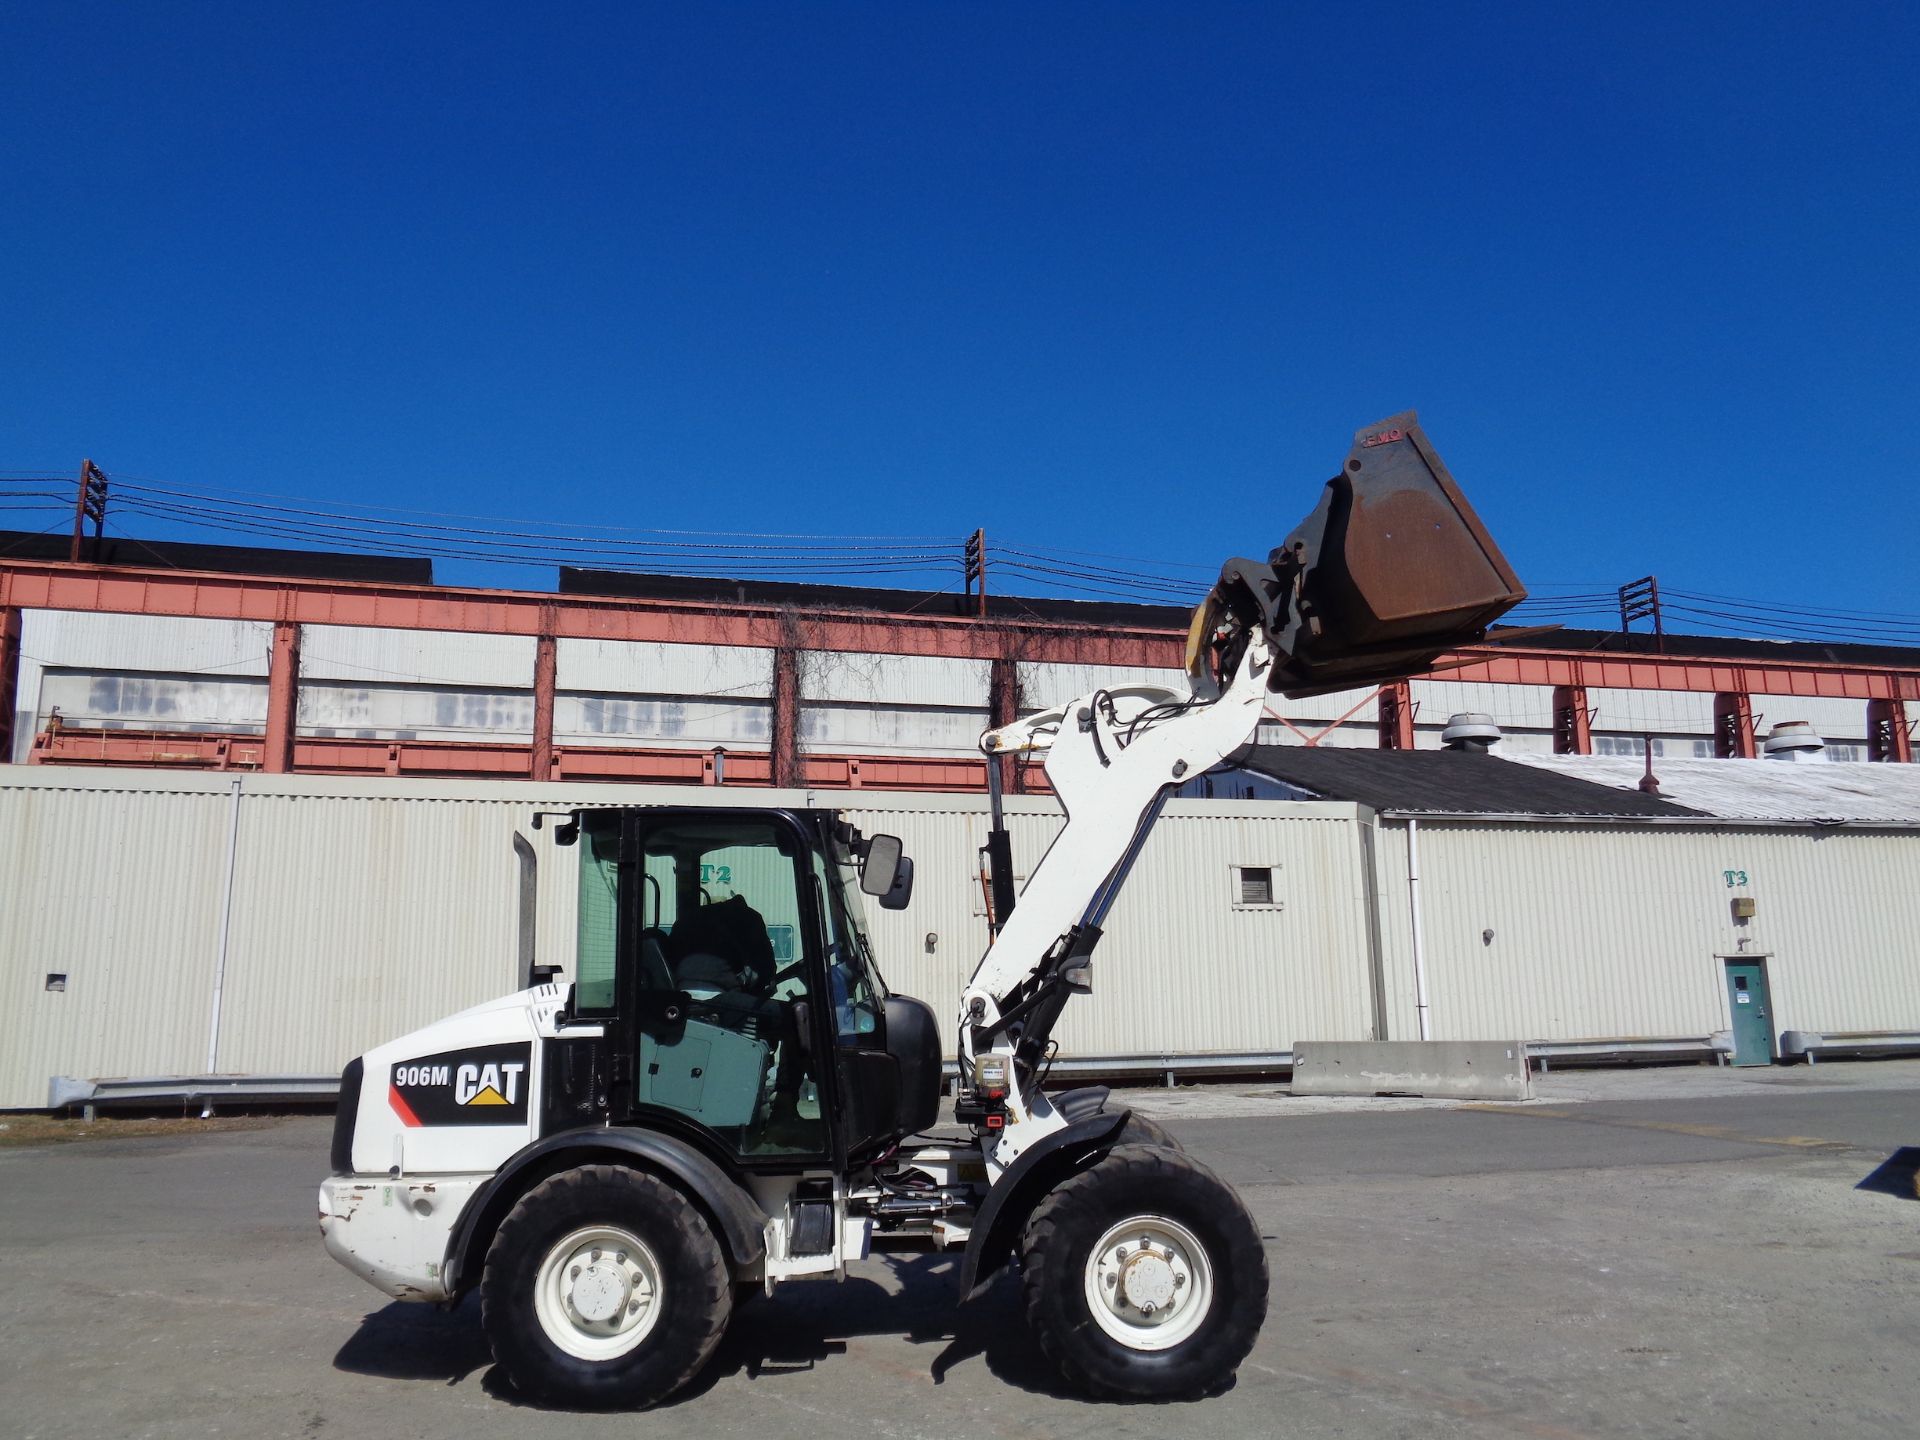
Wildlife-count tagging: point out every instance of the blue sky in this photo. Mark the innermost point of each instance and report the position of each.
(1120, 278)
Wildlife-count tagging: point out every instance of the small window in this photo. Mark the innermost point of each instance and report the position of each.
(1256, 884)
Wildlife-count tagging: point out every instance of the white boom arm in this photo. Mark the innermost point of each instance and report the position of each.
(1113, 756)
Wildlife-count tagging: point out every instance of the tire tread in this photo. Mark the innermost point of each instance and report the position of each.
(709, 1305)
(1066, 1217)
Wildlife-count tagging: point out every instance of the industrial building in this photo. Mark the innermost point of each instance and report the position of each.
(261, 815)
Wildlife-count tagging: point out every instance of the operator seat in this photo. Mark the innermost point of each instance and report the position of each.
(723, 946)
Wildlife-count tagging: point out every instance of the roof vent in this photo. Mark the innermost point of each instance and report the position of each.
(1795, 740)
(1471, 731)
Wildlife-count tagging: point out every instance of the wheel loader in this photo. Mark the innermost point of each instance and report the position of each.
(726, 1097)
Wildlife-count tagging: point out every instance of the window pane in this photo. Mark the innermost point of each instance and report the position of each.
(599, 925)
(1256, 885)
(722, 928)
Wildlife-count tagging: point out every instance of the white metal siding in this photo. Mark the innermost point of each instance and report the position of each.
(1046, 683)
(119, 890)
(641, 667)
(1609, 932)
(172, 644)
(416, 657)
(873, 679)
(1833, 718)
(1657, 712)
(363, 907)
(1512, 707)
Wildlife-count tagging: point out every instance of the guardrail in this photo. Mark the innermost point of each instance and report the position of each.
(1715, 1047)
(1855, 1044)
(64, 1092)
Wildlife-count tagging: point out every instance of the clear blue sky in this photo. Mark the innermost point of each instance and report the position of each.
(1115, 277)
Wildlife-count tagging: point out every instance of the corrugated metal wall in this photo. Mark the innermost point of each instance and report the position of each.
(1612, 932)
(363, 908)
(118, 889)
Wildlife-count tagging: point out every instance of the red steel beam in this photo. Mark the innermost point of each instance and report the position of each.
(1572, 721)
(9, 677)
(52, 585)
(785, 727)
(1396, 716)
(1888, 738)
(540, 762)
(1672, 672)
(283, 696)
(1733, 726)
(479, 760)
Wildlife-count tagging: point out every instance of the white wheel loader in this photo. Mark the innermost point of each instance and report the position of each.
(726, 1095)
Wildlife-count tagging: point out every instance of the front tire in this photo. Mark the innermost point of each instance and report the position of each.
(604, 1287)
(1141, 1130)
(1144, 1277)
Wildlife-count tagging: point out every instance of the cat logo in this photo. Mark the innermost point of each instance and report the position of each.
(482, 1084)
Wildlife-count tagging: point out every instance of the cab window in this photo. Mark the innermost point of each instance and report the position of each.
(722, 982)
(856, 992)
(598, 914)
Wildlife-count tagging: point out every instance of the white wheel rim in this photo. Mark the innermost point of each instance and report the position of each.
(598, 1293)
(1149, 1283)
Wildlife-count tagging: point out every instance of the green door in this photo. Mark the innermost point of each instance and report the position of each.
(1752, 1012)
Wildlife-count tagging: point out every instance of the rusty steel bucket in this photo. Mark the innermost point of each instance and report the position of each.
(1391, 568)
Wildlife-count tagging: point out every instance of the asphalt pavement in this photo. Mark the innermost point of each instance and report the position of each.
(1701, 1256)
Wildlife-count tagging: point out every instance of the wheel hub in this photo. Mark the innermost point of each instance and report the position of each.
(599, 1293)
(1149, 1282)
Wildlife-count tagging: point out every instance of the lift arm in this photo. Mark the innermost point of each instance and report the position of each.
(1391, 568)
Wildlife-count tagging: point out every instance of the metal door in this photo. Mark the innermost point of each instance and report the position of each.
(1752, 1012)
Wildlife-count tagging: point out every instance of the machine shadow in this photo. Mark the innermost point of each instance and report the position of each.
(804, 1326)
(1898, 1174)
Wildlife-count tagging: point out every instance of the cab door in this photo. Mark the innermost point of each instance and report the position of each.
(719, 1003)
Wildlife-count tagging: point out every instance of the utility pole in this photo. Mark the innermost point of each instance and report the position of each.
(1640, 600)
(89, 503)
(976, 570)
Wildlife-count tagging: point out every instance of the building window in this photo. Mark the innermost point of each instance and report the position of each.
(1852, 754)
(1703, 750)
(1631, 747)
(1253, 884)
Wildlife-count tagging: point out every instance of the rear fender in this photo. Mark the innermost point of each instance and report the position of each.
(1003, 1215)
(737, 1219)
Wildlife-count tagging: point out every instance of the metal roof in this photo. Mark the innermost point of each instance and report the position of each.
(1822, 792)
(646, 585)
(127, 551)
(1450, 782)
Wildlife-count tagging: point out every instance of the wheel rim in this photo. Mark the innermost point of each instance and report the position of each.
(598, 1294)
(1149, 1283)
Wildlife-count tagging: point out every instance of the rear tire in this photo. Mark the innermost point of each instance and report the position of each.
(604, 1287)
(1144, 1277)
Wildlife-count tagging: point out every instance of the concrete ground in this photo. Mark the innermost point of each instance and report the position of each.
(1680, 1252)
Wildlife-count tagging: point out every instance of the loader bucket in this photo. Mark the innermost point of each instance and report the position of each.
(1390, 569)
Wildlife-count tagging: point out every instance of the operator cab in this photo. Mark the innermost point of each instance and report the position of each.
(724, 953)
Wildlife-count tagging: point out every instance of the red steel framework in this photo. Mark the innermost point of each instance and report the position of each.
(290, 603)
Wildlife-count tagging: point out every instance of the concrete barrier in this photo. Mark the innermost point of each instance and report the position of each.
(1466, 1069)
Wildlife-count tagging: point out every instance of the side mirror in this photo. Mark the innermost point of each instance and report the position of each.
(880, 866)
(902, 891)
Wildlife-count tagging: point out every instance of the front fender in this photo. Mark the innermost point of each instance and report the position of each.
(737, 1217)
(1003, 1215)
